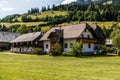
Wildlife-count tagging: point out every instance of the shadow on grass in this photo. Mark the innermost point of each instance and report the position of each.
(107, 55)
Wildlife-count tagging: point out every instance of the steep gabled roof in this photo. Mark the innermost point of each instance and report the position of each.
(72, 31)
(27, 37)
(99, 33)
(8, 36)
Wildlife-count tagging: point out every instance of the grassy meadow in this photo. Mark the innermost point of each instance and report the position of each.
(46, 28)
(33, 67)
(44, 14)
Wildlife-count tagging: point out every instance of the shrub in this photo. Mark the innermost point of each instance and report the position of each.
(38, 51)
(77, 49)
(116, 41)
(56, 50)
(104, 49)
(67, 54)
(118, 52)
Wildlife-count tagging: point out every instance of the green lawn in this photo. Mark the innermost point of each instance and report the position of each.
(33, 67)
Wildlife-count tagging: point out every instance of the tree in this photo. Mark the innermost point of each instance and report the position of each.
(76, 49)
(48, 8)
(13, 28)
(37, 28)
(115, 33)
(116, 41)
(22, 29)
(56, 50)
(4, 28)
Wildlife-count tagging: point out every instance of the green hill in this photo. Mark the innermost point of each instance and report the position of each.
(43, 14)
(62, 15)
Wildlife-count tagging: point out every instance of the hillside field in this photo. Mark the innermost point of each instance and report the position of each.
(52, 14)
(46, 28)
(33, 67)
(44, 14)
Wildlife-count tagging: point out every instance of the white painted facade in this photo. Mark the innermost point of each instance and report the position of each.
(68, 42)
(86, 47)
(23, 49)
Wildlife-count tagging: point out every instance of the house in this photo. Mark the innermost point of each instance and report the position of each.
(109, 43)
(26, 43)
(68, 35)
(6, 38)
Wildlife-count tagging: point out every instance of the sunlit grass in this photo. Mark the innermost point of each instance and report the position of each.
(46, 13)
(33, 67)
(24, 23)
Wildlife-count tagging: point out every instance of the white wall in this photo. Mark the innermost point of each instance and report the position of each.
(68, 41)
(85, 34)
(86, 47)
(45, 49)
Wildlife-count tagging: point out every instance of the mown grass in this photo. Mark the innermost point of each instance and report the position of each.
(46, 28)
(23, 23)
(33, 67)
(44, 14)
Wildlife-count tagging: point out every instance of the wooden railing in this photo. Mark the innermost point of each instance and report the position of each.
(88, 40)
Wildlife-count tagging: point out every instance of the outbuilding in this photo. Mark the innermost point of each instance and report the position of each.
(26, 43)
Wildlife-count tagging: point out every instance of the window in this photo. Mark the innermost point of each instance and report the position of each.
(46, 46)
(89, 45)
(66, 45)
(82, 36)
(88, 36)
(36, 42)
(71, 44)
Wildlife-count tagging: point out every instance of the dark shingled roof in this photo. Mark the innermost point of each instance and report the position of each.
(27, 37)
(8, 36)
(99, 33)
(71, 31)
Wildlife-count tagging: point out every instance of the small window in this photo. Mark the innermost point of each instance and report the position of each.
(66, 45)
(71, 44)
(36, 42)
(89, 45)
(46, 46)
(88, 36)
(82, 36)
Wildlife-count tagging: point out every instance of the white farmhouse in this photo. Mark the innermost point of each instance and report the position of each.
(71, 34)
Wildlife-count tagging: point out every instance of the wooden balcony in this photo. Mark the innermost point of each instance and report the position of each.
(87, 40)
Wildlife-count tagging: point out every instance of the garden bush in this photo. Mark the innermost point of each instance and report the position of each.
(118, 52)
(38, 51)
(56, 50)
(104, 49)
(76, 49)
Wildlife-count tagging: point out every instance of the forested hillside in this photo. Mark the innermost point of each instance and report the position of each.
(114, 2)
(60, 15)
